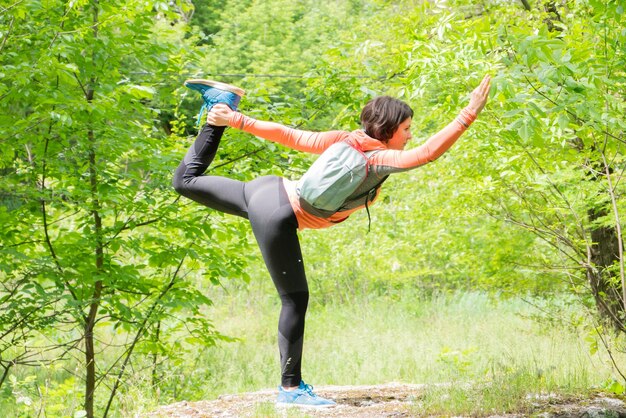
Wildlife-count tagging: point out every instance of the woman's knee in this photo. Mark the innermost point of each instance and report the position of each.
(179, 182)
(296, 302)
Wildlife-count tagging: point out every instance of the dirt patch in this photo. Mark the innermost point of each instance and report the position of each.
(389, 400)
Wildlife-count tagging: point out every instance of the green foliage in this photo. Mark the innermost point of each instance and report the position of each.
(470, 349)
(206, 19)
(531, 197)
(614, 386)
(95, 244)
(533, 159)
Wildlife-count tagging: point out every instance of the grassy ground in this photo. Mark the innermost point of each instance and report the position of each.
(491, 353)
(477, 354)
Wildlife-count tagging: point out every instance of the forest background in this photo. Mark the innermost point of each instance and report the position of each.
(118, 295)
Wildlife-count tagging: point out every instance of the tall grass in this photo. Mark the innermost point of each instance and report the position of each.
(464, 338)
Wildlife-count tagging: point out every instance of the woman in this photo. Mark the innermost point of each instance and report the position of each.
(272, 205)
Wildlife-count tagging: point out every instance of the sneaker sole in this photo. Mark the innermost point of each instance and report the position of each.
(299, 405)
(218, 85)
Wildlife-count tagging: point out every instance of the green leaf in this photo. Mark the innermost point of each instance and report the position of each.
(140, 92)
(615, 387)
(525, 130)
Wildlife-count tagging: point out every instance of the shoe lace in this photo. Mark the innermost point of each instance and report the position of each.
(204, 106)
(309, 389)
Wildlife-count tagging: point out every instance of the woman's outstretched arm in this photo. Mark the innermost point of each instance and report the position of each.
(440, 142)
(313, 142)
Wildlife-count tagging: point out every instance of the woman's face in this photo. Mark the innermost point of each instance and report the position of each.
(401, 136)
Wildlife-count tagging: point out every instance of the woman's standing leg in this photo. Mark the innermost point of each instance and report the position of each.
(264, 201)
(275, 228)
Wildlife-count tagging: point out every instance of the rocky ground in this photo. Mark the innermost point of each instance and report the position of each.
(390, 400)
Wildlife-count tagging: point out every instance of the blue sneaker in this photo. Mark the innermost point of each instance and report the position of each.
(214, 92)
(303, 396)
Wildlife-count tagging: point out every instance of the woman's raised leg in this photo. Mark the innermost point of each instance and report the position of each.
(223, 194)
(220, 193)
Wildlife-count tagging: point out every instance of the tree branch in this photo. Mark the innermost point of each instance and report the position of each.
(526, 4)
(45, 216)
(238, 158)
(4, 41)
(5, 9)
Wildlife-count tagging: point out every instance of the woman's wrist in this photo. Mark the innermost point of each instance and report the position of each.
(466, 117)
(236, 120)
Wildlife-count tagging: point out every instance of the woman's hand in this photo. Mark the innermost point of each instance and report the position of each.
(219, 115)
(480, 95)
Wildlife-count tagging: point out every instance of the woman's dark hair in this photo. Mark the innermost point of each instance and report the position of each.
(382, 115)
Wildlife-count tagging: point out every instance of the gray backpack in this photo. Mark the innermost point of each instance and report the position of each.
(333, 178)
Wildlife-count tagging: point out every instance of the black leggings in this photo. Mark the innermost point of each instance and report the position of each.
(264, 202)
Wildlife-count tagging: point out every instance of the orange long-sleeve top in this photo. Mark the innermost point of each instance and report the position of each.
(382, 163)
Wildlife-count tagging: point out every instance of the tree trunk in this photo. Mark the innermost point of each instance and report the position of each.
(90, 322)
(155, 359)
(604, 254)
